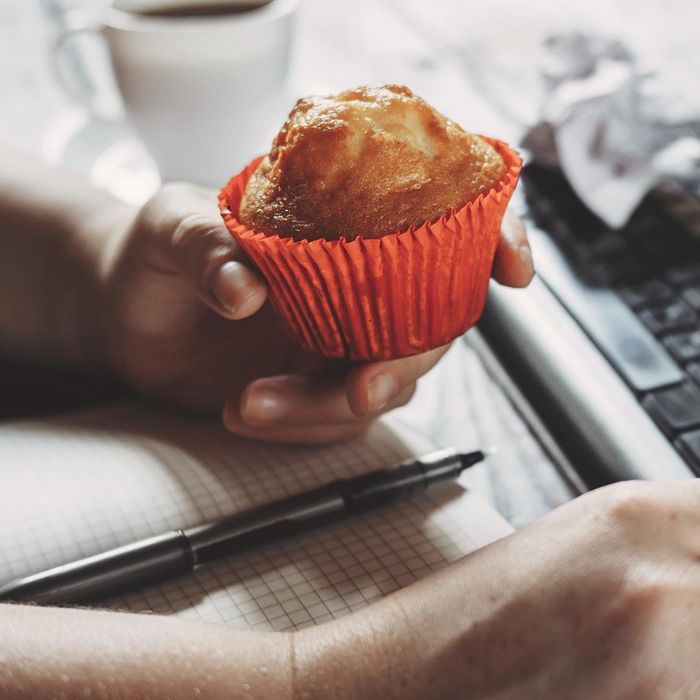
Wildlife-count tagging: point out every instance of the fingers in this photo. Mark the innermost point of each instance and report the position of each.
(513, 266)
(307, 435)
(238, 291)
(372, 387)
(295, 408)
(199, 245)
(299, 409)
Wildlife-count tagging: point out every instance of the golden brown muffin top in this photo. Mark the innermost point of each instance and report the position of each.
(365, 162)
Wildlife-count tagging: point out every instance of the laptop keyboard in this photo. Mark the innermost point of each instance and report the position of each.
(635, 291)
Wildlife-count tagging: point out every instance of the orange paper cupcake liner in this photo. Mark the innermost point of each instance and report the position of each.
(381, 298)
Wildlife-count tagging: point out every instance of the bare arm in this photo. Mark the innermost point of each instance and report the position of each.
(51, 652)
(49, 250)
(597, 600)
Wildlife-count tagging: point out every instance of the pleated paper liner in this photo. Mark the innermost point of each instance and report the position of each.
(381, 298)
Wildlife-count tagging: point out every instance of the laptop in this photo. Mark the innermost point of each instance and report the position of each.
(602, 352)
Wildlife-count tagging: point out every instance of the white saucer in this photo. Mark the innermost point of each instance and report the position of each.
(107, 153)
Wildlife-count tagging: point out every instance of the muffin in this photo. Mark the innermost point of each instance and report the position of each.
(375, 221)
(366, 162)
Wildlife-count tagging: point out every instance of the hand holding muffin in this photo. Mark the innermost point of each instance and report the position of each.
(187, 321)
(375, 221)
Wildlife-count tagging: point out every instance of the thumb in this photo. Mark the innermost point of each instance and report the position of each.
(513, 265)
(202, 249)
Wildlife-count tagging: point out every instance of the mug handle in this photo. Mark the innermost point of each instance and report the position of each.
(70, 71)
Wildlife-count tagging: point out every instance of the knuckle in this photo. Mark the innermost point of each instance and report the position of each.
(652, 586)
(171, 189)
(639, 599)
(406, 395)
(418, 365)
(630, 502)
(193, 227)
(199, 244)
(169, 193)
(638, 509)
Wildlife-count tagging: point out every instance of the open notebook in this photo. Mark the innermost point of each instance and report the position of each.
(82, 483)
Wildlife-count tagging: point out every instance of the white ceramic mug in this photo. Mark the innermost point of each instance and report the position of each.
(205, 94)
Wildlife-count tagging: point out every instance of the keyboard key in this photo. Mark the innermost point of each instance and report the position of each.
(648, 292)
(671, 316)
(609, 246)
(645, 222)
(637, 355)
(693, 370)
(691, 294)
(683, 274)
(622, 271)
(676, 409)
(688, 445)
(661, 249)
(550, 196)
(588, 227)
(684, 346)
(681, 206)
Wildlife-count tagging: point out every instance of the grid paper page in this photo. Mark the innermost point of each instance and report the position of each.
(83, 483)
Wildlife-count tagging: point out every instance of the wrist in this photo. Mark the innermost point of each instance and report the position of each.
(371, 653)
(94, 240)
(462, 632)
(53, 230)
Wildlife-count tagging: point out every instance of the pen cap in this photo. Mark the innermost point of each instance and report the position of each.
(382, 487)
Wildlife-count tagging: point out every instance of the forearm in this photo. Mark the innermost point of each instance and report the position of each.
(506, 622)
(54, 231)
(421, 643)
(455, 634)
(50, 652)
(445, 637)
(496, 624)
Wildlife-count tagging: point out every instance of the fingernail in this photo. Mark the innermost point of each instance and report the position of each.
(265, 405)
(231, 286)
(380, 389)
(525, 255)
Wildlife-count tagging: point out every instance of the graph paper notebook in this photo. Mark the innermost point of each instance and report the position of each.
(80, 484)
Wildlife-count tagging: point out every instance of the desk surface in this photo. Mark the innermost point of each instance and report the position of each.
(467, 60)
